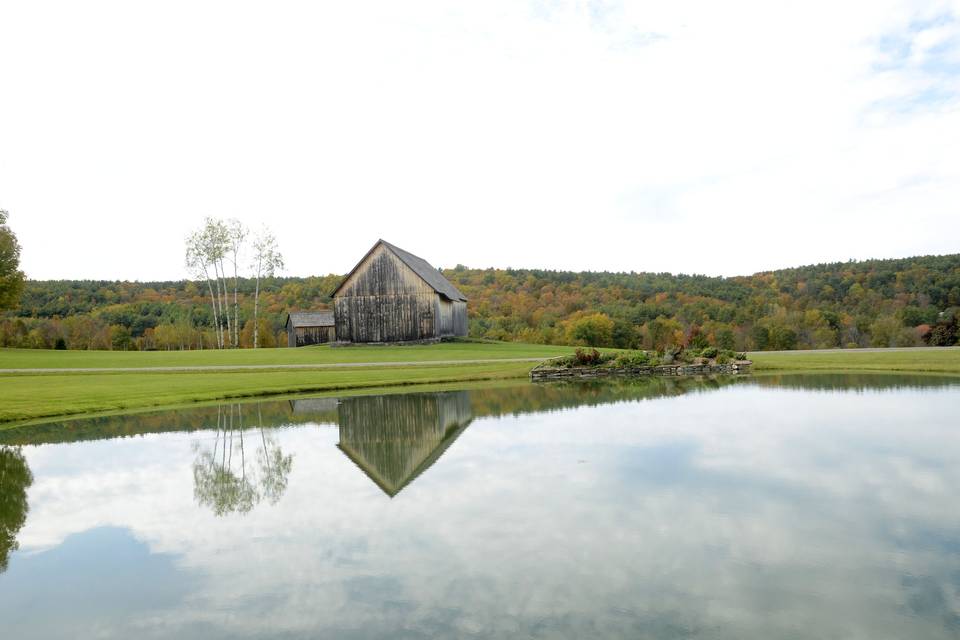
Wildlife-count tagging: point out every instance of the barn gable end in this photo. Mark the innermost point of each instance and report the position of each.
(392, 295)
(382, 272)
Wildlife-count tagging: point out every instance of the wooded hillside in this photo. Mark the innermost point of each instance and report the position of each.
(902, 302)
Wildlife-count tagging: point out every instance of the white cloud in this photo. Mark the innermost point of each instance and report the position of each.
(703, 137)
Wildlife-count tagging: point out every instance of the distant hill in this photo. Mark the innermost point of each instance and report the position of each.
(902, 302)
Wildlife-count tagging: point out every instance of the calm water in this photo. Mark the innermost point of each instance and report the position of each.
(790, 507)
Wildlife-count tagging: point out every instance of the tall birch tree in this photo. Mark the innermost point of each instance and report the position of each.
(236, 234)
(206, 250)
(198, 264)
(267, 260)
(216, 244)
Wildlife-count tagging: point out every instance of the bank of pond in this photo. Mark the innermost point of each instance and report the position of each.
(592, 363)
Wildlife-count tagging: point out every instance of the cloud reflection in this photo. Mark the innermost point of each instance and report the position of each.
(741, 510)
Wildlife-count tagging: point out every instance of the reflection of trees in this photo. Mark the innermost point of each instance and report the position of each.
(15, 478)
(228, 480)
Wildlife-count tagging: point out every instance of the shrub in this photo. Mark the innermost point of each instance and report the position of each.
(710, 352)
(586, 358)
(632, 359)
(674, 350)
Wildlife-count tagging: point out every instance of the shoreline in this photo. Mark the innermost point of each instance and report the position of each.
(46, 394)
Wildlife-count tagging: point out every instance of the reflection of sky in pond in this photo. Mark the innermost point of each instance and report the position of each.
(750, 510)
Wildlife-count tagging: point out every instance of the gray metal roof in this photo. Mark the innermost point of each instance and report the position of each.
(430, 275)
(420, 266)
(310, 318)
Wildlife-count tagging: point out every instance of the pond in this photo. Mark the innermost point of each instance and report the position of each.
(794, 506)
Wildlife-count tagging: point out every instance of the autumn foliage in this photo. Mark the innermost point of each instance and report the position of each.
(881, 303)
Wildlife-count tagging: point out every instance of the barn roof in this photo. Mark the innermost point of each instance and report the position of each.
(310, 319)
(419, 266)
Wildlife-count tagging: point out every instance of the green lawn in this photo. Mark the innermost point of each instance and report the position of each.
(32, 396)
(934, 360)
(321, 354)
(39, 394)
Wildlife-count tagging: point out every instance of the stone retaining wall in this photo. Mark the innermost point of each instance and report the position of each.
(545, 372)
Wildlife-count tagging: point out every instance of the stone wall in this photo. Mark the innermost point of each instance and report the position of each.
(546, 372)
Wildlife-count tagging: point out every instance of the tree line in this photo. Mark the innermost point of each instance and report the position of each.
(880, 303)
(903, 302)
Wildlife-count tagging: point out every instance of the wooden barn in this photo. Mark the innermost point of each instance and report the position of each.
(394, 296)
(310, 327)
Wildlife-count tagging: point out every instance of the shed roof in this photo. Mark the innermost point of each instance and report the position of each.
(419, 266)
(310, 319)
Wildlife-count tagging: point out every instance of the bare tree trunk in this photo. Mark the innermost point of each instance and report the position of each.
(216, 272)
(226, 301)
(256, 309)
(213, 300)
(221, 303)
(216, 279)
(236, 305)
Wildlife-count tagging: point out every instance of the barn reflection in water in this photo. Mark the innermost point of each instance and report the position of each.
(395, 438)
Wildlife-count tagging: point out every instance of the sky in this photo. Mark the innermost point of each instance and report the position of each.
(695, 137)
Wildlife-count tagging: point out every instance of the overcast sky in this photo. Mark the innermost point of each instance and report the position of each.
(711, 137)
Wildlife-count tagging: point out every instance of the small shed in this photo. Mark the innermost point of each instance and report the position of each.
(395, 296)
(310, 327)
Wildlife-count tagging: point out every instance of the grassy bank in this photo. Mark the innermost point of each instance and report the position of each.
(320, 355)
(31, 396)
(40, 394)
(933, 360)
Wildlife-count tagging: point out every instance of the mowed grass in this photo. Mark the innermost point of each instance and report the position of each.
(933, 360)
(320, 354)
(42, 395)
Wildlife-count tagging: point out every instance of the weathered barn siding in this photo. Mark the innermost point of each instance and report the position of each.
(460, 325)
(444, 316)
(302, 336)
(310, 327)
(452, 316)
(385, 300)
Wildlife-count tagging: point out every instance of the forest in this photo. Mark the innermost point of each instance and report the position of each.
(873, 303)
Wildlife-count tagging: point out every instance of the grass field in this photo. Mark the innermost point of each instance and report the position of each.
(933, 360)
(31, 396)
(44, 394)
(40, 394)
(47, 359)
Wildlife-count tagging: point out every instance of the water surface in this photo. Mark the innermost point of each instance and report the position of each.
(804, 506)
